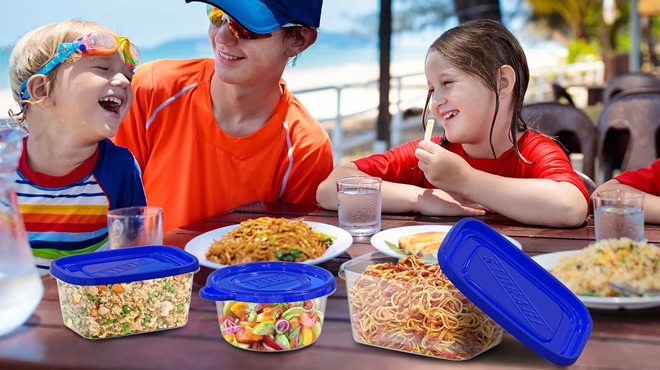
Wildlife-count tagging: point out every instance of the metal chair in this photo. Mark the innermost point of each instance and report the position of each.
(628, 131)
(627, 81)
(570, 125)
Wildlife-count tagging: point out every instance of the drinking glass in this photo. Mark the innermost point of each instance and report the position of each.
(618, 214)
(21, 289)
(359, 201)
(135, 226)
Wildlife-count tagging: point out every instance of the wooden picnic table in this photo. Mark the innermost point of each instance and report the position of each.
(619, 340)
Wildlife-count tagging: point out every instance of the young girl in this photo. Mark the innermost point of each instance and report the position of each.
(73, 82)
(645, 179)
(489, 160)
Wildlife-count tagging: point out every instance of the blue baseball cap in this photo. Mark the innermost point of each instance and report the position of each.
(264, 16)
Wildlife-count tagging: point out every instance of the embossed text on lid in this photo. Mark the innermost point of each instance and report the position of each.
(515, 291)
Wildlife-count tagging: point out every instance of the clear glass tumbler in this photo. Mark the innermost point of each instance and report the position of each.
(619, 214)
(21, 289)
(359, 199)
(135, 226)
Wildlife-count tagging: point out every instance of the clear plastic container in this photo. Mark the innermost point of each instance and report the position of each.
(272, 306)
(409, 305)
(271, 326)
(125, 291)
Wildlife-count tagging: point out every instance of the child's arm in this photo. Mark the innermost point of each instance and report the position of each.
(397, 198)
(532, 201)
(651, 202)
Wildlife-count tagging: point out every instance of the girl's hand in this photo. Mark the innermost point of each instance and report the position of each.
(435, 202)
(442, 168)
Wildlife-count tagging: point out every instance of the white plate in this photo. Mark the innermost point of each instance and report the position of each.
(393, 235)
(548, 262)
(201, 243)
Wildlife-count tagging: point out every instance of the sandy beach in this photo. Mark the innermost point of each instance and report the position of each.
(323, 104)
(6, 103)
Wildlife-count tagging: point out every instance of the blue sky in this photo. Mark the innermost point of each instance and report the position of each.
(146, 22)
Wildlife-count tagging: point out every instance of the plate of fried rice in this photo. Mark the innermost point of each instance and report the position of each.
(586, 272)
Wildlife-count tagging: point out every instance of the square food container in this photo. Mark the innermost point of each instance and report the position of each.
(458, 308)
(125, 291)
(424, 315)
(270, 306)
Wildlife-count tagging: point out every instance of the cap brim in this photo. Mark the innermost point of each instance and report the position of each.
(252, 14)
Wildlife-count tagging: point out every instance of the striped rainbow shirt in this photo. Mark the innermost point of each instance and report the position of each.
(67, 215)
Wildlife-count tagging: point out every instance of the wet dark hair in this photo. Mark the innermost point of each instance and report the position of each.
(480, 48)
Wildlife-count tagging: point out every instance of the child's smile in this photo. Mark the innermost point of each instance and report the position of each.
(112, 104)
(448, 115)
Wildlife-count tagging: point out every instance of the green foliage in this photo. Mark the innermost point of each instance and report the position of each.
(583, 20)
(620, 30)
(581, 51)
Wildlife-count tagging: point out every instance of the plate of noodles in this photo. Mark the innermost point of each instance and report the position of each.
(269, 239)
(422, 240)
(586, 272)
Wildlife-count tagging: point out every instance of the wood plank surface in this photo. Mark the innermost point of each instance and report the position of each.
(619, 339)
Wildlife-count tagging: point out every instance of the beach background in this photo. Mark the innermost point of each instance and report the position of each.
(346, 51)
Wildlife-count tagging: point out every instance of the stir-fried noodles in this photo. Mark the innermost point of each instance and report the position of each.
(412, 306)
(269, 239)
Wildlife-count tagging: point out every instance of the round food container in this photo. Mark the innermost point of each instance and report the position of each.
(270, 306)
(125, 291)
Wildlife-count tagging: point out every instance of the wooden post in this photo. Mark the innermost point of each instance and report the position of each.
(384, 118)
(634, 63)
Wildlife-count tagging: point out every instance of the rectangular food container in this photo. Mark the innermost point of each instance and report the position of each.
(125, 291)
(427, 317)
(458, 307)
(270, 306)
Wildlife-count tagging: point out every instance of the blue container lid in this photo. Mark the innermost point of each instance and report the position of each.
(515, 291)
(123, 265)
(268, 282)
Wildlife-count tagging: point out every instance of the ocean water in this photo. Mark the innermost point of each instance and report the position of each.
(331, 49)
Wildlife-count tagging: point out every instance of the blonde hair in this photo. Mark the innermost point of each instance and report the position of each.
(35, 49)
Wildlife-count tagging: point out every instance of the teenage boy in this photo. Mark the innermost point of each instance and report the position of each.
(214, 133)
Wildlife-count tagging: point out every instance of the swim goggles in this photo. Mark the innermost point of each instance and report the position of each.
(218, 17)
(96, 43)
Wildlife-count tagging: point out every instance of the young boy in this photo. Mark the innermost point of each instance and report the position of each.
(73, 82)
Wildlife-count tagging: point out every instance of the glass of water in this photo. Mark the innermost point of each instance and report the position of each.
(619, 214)
(135, 226)
(359, 201)
(20, 284)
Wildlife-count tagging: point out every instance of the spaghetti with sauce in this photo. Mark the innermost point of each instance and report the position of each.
(269, 239)
(413, 307)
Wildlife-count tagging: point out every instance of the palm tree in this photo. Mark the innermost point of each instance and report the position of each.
(583, 17)
(467, 10)
(417, 14)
